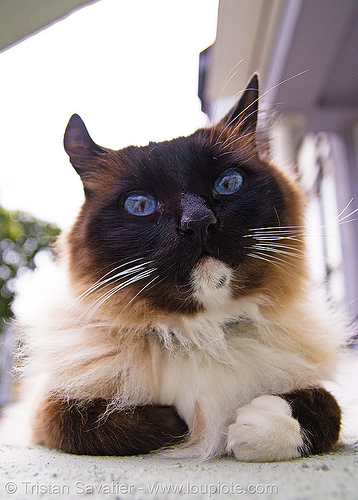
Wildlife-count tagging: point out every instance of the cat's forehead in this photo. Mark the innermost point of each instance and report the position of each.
(177, 153)
(181, 160)
(163, 163)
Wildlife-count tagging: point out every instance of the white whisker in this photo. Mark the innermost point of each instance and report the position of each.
(283, 249)
(342, 212)
(119, 287)
(101, 282)
(346, 221)
(277, 228)
(260, 256)
(275, 260)
(342, 220)
(274, 239)
(107, 295)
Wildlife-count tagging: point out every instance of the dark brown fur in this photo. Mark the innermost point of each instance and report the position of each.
(84, 429)
(319, 416)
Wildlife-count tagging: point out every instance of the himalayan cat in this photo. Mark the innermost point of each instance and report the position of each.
(179, 315)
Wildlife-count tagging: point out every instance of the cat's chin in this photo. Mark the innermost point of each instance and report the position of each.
(211, 280)
(211, 272)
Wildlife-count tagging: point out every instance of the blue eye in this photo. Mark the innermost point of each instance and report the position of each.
(140, 204)
(229, 182)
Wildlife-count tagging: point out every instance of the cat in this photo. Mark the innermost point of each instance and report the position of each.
(180, 317)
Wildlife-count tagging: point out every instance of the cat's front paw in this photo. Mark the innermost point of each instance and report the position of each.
(265, 430)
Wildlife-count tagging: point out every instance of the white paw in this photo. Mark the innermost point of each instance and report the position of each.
(265, 431)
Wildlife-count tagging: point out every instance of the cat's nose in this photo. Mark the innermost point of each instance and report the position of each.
(197, 221)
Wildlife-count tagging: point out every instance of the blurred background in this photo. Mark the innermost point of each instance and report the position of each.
(139, 71)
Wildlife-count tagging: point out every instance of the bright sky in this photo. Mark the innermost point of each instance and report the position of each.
(130, 69)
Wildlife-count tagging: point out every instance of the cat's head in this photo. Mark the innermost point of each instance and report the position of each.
(183, 225)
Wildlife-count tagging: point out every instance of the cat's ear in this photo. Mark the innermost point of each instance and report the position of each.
(80, 148)
(245, 110)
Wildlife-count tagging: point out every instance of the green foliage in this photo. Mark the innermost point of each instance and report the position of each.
(21, 238)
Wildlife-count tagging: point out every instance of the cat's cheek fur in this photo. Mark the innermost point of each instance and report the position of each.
(265, 431)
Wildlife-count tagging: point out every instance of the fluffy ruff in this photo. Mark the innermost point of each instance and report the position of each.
(209, 366)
